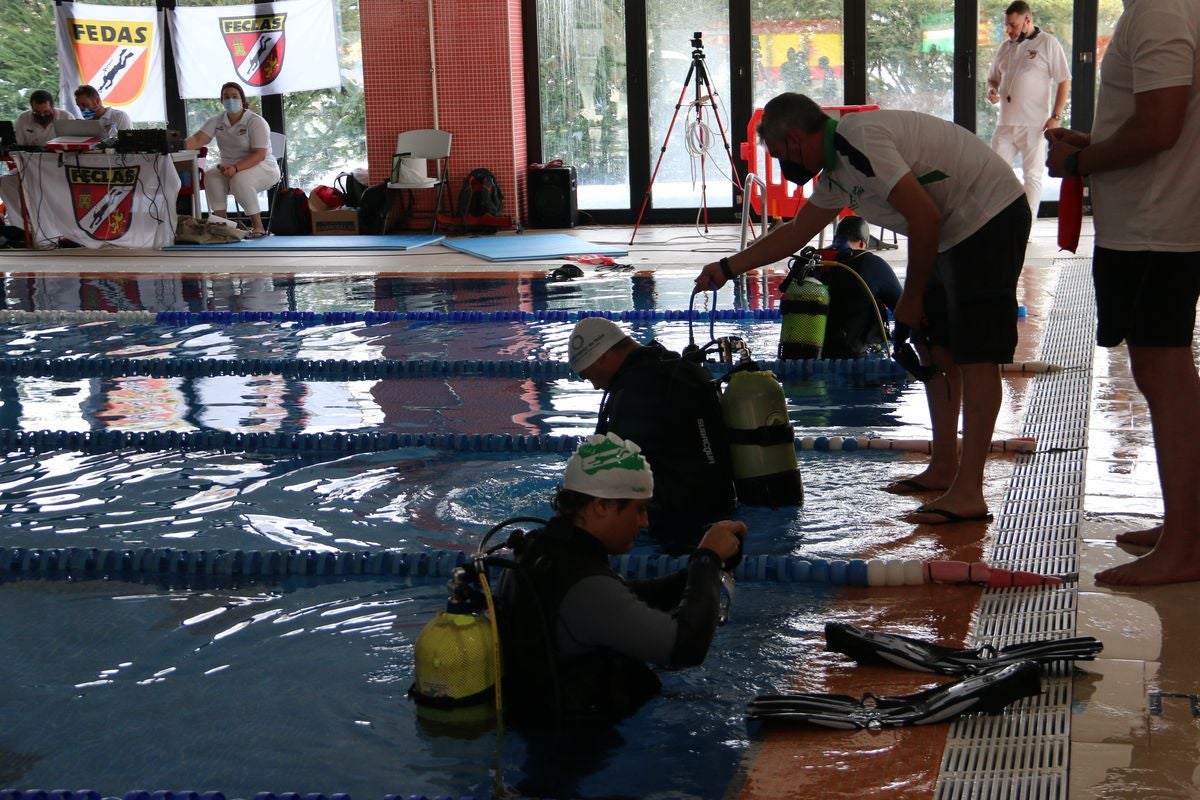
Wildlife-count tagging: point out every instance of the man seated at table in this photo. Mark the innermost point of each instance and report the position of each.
(33, 128)
(91, 105)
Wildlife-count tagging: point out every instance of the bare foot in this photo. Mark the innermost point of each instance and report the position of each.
(1142, 538)
(1153, 569)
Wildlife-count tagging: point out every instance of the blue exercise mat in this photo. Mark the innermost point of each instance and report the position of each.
(530, 247)
(396, 242)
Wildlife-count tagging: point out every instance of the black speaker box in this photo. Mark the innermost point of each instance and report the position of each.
(553, 202)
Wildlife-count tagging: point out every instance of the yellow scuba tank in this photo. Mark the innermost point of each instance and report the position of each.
(804, 309)
(762, 442)
(454, 655)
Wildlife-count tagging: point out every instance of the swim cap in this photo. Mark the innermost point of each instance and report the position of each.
(851, 229)
(591, 338)
(610, 467)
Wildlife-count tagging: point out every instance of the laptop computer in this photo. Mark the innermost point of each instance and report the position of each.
(8, 134)
(76, 134)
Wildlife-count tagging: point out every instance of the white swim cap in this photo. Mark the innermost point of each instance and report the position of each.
(591, 338)
(609, 467)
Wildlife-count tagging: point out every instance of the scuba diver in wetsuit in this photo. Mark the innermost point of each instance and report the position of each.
(855, 309)
(671, 408)
(576, 636)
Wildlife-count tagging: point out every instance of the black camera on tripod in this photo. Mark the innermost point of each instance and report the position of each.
(697, 41)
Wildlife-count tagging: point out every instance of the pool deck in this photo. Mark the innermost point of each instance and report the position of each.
(1130, 725)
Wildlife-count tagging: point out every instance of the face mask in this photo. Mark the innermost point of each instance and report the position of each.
(88, 113)
(795, 172)
(232, 104)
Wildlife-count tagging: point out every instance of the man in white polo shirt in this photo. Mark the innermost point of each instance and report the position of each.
(1141, 159)
(967, 223)
(1028, 64)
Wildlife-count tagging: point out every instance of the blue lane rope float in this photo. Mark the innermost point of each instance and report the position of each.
(306, 318)
(385, 317)
(339, 443)
(84, 563)
(383, 369)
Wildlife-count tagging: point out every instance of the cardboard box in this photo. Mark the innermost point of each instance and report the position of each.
(339, 222)
(332, 221)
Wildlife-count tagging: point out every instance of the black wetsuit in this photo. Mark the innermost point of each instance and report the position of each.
(853, 326)
(671, 409)
(576, 636)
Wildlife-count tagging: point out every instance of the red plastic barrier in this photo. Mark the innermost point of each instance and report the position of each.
(783, 198)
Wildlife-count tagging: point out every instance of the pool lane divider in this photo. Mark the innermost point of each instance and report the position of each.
(384, 369)
(339, 443)
(187, 318)
(79, 563)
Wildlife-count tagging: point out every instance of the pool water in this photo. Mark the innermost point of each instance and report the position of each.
(299, 684)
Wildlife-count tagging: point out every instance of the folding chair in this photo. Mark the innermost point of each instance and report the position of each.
(410, 167)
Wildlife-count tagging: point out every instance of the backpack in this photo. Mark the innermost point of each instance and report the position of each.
(480, 205)
(373, 210)
(290, 214)
(351, 188)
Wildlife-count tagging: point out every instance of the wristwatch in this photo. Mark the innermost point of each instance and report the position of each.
(1071, 164)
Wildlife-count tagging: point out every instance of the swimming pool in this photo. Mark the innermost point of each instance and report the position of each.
(297, 684)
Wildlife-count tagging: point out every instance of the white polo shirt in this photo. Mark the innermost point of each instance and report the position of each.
(1151, 206)
(31, 134)
(968, 182)
(235, 141)
(1028, 72)
(113, 120)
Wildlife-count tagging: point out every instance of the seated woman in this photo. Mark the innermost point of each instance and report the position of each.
(246, 165)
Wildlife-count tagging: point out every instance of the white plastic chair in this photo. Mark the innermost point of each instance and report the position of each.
(279, 152)
(410, 166)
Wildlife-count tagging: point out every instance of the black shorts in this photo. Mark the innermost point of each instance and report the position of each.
(971, 299)
(1146, 299)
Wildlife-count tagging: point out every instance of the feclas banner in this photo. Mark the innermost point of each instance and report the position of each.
(268, 48)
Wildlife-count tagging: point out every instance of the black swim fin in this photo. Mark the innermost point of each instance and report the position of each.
(913, 654)
(988, 692)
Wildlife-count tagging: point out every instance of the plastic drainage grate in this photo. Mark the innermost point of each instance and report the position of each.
(1024, 752)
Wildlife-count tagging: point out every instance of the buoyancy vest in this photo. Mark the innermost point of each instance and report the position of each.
(539, 682)
(672, 409)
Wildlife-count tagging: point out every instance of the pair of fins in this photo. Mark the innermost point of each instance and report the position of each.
(993, 679)
(905, 652)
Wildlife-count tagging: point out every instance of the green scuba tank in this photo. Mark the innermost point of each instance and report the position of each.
(454, 655)
(761, 440)
(805, 311)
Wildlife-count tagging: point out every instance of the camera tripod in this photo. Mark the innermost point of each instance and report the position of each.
(706, 95)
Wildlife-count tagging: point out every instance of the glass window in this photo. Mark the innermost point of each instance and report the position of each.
(910, 56)
(584, 102)
(1055, 20)
(325, 128)
(797, 47)
(689, 83)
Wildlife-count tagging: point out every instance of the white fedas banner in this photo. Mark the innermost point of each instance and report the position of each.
(116, 49)
(268, 48)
